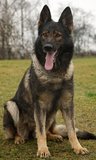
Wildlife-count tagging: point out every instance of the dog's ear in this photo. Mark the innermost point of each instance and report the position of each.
(66, 19)
(45, 16)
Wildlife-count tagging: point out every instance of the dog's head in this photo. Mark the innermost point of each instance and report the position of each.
(54, 45)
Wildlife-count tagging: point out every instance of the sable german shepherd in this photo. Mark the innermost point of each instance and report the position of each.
(46, 87)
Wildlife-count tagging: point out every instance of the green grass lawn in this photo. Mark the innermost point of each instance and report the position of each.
(11, 73)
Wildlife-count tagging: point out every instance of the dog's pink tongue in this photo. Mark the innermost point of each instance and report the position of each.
(49, 61)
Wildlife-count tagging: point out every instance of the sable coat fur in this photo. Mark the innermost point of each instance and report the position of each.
(46, 87)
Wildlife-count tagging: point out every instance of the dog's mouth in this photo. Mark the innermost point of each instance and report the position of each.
(50, 59)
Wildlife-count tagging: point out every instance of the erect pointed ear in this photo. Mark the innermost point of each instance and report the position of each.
(66, 19)
(45, 16)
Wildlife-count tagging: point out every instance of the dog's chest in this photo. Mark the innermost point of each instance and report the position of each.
(53, 93)
(52, 88)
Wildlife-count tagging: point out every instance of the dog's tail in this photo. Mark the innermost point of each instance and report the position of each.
(82, 134)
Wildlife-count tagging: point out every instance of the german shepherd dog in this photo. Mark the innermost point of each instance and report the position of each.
(46, 87)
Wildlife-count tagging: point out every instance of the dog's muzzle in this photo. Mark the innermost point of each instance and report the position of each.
(48, 48)
(51, 55)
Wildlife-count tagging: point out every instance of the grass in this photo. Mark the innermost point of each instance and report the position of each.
(11, 73)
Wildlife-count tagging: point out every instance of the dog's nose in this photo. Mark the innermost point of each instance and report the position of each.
(48, 47)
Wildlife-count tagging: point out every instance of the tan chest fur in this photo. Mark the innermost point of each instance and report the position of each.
(55, 80)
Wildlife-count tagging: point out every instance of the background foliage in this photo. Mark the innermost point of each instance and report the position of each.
(18, 29)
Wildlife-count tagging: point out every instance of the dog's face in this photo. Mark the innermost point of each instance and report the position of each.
(54, 45)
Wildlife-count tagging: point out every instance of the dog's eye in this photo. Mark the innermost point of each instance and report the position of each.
(58, 35)
(44, 34)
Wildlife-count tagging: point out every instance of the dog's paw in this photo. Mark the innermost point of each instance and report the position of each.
(58, 138)
(43, 153)
(81, 150)
(19, 140)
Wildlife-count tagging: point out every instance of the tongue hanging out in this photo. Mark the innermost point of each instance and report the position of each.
(49, 61)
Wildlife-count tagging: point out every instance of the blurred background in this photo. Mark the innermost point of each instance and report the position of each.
(19, 20)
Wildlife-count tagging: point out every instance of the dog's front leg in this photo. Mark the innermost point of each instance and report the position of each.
(40, 120)
(68, 114)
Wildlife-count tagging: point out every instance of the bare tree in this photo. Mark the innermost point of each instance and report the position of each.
(82, 31)
(6, 27)
(14, 16)
(18, 27)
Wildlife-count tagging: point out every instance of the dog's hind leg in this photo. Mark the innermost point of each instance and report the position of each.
(59, 130)
(10, 121)
(62, 131)
(54, 137)
(19, 139)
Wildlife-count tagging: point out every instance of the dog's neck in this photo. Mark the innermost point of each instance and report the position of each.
(40, 70)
